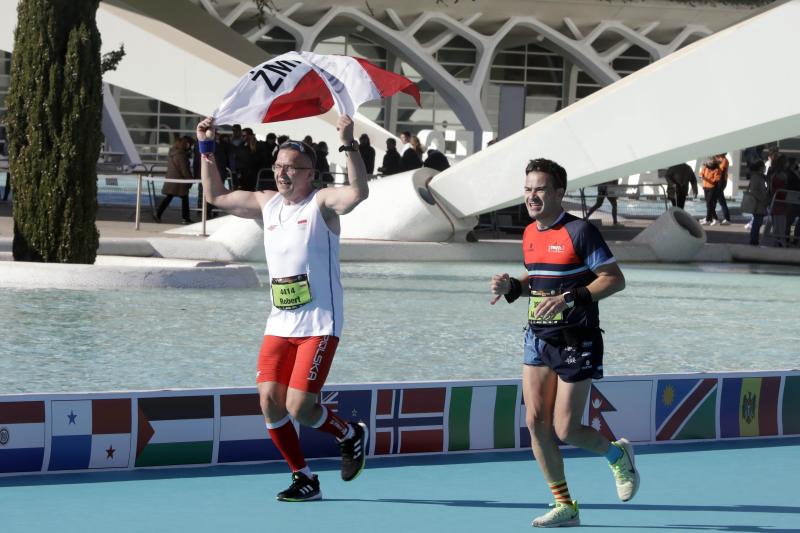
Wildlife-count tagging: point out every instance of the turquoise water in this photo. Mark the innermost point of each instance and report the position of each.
(404, 321)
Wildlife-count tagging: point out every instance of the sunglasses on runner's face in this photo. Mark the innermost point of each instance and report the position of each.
(290, 170)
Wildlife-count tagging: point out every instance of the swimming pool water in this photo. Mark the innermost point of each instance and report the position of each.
(403, 321)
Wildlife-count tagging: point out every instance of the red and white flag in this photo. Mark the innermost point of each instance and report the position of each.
(303, 84)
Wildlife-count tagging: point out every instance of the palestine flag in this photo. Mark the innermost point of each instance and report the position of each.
(175, 430)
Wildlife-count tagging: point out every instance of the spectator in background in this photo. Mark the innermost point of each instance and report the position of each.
(793, 210)
(756, 199)
(391, 160)
(309, 141)
(602, 194)
(723, 182)
(367, 152)
(269, 147)
(777, 180)
(436, 160)
(4, 153)
(405, 138)
(323, 168)
(248, 161)
(411, 154)
(710, 174)
(236, 136)
(177, 168)
(679, 177)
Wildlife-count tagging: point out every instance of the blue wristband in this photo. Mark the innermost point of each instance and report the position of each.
(207, 146)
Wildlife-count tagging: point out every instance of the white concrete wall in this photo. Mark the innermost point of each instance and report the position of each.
(697, 101)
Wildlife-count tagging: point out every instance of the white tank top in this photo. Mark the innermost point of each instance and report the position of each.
(299, 244)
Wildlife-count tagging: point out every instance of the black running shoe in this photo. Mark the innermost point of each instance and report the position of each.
(354, 452)
(302, 489)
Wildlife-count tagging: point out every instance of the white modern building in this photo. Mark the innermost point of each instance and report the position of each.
(608, 87)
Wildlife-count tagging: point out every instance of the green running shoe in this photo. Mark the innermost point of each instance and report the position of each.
(560, 515)
(625, 474)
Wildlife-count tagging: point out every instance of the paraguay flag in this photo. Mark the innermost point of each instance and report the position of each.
(243, 435)
(302, 84)
(90, 434)
(21, 436)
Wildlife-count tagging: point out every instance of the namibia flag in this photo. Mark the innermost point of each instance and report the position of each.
(749, 407)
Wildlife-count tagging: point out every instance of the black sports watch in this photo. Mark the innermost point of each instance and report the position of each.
(352, 147)
(569, 299)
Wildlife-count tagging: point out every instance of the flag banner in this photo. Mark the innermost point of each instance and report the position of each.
(303, 84)
(175, 430)
(243, 435)
(350, 405)
(482, 418)
(90, 434)
(749, 407)
(21, 436)
(790, 410)
(408, 420)
(686, 409)
(621, 409)
(524, 433)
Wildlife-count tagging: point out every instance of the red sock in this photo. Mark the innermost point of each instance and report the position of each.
(330, 423)
(285, 438)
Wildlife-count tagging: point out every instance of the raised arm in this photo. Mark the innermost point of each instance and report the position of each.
(245, 204)
(341, 200)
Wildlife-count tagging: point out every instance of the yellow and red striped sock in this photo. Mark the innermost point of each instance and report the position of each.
(560, 491)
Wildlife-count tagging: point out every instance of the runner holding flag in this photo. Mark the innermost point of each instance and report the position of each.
(301, 239)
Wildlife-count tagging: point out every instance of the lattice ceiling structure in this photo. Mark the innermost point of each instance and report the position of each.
(589, 34)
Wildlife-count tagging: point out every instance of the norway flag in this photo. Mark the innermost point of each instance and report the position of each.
(302, 84)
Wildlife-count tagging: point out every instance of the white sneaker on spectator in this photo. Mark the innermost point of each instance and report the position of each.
(704, 222)
(712, 223)
(724, 222)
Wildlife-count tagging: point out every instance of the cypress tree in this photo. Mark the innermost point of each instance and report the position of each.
(54, 130)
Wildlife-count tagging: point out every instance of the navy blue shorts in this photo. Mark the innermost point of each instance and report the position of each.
(577, 355)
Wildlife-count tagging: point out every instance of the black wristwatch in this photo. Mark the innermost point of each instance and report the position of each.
(569, 299)
(352, 147)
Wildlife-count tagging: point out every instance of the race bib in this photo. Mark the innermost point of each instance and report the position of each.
(291, 292)
(533, 303)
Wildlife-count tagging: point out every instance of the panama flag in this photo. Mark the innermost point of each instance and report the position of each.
(749, 407)
(303, 84)
(408, 420)
(90, 434)
(686, 409)
(175, 430)
(21, 436)
(482, 418)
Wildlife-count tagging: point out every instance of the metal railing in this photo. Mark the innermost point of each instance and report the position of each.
(151, 176)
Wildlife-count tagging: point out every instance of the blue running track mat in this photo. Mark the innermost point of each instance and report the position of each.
(738, 486)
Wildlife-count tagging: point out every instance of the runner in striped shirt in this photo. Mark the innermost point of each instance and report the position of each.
(569, 268)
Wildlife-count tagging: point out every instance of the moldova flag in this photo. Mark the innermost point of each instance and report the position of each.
(749, 407)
